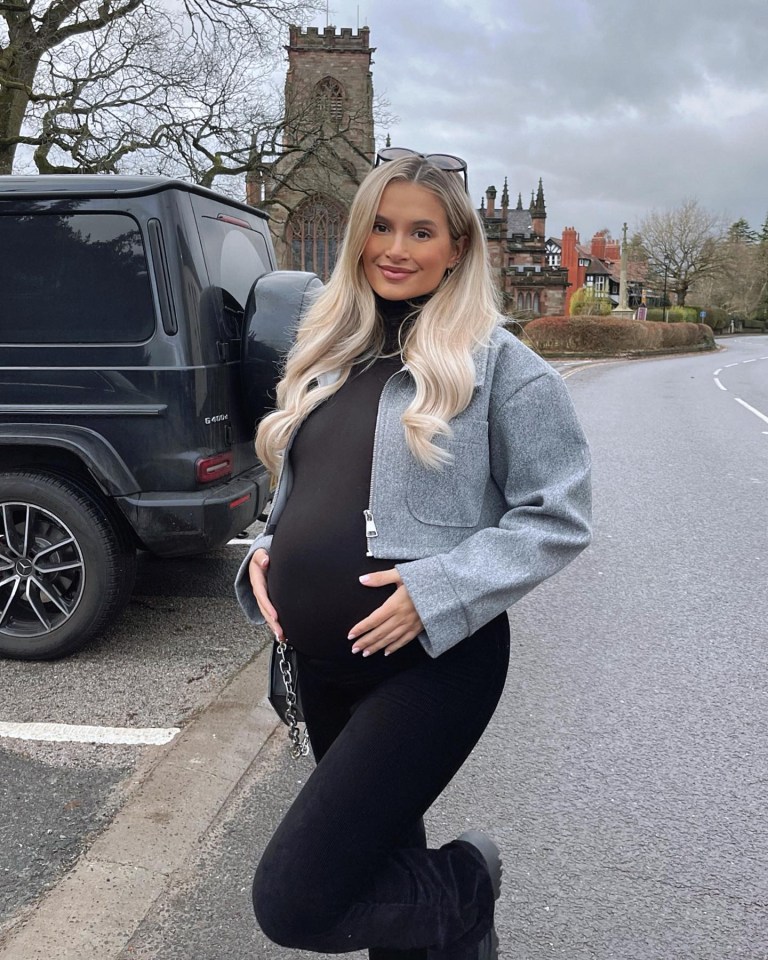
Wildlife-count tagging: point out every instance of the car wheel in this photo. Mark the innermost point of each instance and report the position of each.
(66, 565)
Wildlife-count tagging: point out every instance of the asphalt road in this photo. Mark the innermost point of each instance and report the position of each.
(624, 773)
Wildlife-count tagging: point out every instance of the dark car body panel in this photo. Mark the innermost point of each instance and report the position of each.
(138, 415)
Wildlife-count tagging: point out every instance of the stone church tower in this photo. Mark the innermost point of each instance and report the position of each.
(327, 149)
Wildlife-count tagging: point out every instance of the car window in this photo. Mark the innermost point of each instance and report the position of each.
(236, 256)
(73, 278)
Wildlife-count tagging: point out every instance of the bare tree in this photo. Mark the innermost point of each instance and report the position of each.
(89, 83)
(740, 283)
(683, 243)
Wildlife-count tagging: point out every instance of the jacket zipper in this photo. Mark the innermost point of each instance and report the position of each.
(371, 530)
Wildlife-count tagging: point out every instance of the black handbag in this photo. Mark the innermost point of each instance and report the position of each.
(285, 696)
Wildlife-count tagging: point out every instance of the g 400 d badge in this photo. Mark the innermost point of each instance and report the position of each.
(218, 418)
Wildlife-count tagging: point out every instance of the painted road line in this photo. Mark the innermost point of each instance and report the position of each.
(239, 542)
(751, 409)
(731, 364)
(717, 372)
(753, 360)
(720, 385)
(74, 733)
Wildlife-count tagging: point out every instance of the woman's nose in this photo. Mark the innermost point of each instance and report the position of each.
(398, 246)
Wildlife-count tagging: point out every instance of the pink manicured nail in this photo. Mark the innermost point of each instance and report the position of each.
(364, 579)
(366, 653)
(355, 649)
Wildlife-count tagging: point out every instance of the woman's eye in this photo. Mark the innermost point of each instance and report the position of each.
(379, 228)
(423, 234)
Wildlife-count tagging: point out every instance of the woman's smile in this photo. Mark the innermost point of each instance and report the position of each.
(394, 274)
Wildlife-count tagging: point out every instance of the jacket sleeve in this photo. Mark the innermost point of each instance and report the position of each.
(243, 589)
(540, 462)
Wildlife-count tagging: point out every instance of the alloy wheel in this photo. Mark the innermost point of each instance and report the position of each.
(42, 571)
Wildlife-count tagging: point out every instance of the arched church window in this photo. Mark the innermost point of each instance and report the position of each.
(313, 235)
(527, 301)
(536, 304)
(330, 96)
(520, 302)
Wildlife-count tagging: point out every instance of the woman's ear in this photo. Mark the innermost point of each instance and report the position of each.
(460, 249)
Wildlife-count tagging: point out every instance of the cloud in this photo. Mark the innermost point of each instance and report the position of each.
(619, 107)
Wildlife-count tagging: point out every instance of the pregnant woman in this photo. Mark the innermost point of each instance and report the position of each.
(431, 471)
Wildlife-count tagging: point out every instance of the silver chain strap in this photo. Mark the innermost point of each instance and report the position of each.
(299, 741)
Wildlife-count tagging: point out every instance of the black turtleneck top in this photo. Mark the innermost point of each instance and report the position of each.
(319, 546)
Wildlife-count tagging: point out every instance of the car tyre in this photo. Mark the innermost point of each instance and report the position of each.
(67, 565)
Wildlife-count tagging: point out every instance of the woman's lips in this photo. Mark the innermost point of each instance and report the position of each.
(395, 274)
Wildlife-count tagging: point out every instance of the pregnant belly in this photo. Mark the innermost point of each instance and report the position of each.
(314, 586)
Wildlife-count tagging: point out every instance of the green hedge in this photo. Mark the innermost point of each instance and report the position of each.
(754, 323)
(610, 337)
(716, 317)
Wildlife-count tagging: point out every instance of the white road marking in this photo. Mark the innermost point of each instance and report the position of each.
(731, 364)
(720, 385)
(718, 371)
(751, 409)
(753, 360)
(237, 542)
(74, 733)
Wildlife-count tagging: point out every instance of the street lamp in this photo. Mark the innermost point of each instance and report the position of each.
(664, 301)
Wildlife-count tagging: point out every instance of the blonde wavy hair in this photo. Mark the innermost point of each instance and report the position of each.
(341, 328)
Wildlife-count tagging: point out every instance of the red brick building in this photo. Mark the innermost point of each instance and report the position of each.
(598, 267)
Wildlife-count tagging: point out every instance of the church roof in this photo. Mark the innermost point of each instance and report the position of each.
(519, 221)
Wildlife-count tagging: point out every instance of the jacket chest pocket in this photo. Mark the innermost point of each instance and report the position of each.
(453, 496)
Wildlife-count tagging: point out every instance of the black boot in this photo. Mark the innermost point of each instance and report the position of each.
(491, 855)
(488, 947)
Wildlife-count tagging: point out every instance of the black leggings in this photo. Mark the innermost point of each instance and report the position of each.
(348, 868)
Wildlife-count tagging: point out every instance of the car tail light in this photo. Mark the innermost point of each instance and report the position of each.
(208, 469)
(234, 220)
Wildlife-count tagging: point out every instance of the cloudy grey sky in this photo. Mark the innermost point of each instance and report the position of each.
(621, 106)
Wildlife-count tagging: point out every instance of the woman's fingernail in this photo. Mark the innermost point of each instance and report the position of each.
(365, 578)
(351, 636)
(366, 653)
(355, 649)
(265, 561)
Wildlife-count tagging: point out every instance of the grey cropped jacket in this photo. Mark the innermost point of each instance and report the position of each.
(509, 510)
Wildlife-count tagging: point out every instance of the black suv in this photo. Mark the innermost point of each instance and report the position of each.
(142, 325)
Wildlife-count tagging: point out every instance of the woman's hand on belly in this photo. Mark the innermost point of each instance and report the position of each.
(257, 573)
(392, 625)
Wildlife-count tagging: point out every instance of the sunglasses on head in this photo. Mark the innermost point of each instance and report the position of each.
(443, 161)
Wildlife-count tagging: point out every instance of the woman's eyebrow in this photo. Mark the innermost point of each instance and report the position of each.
(414, 223)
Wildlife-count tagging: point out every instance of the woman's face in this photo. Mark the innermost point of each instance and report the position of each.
(410, 246)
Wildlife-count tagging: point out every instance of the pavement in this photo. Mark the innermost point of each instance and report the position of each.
(133, 863)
